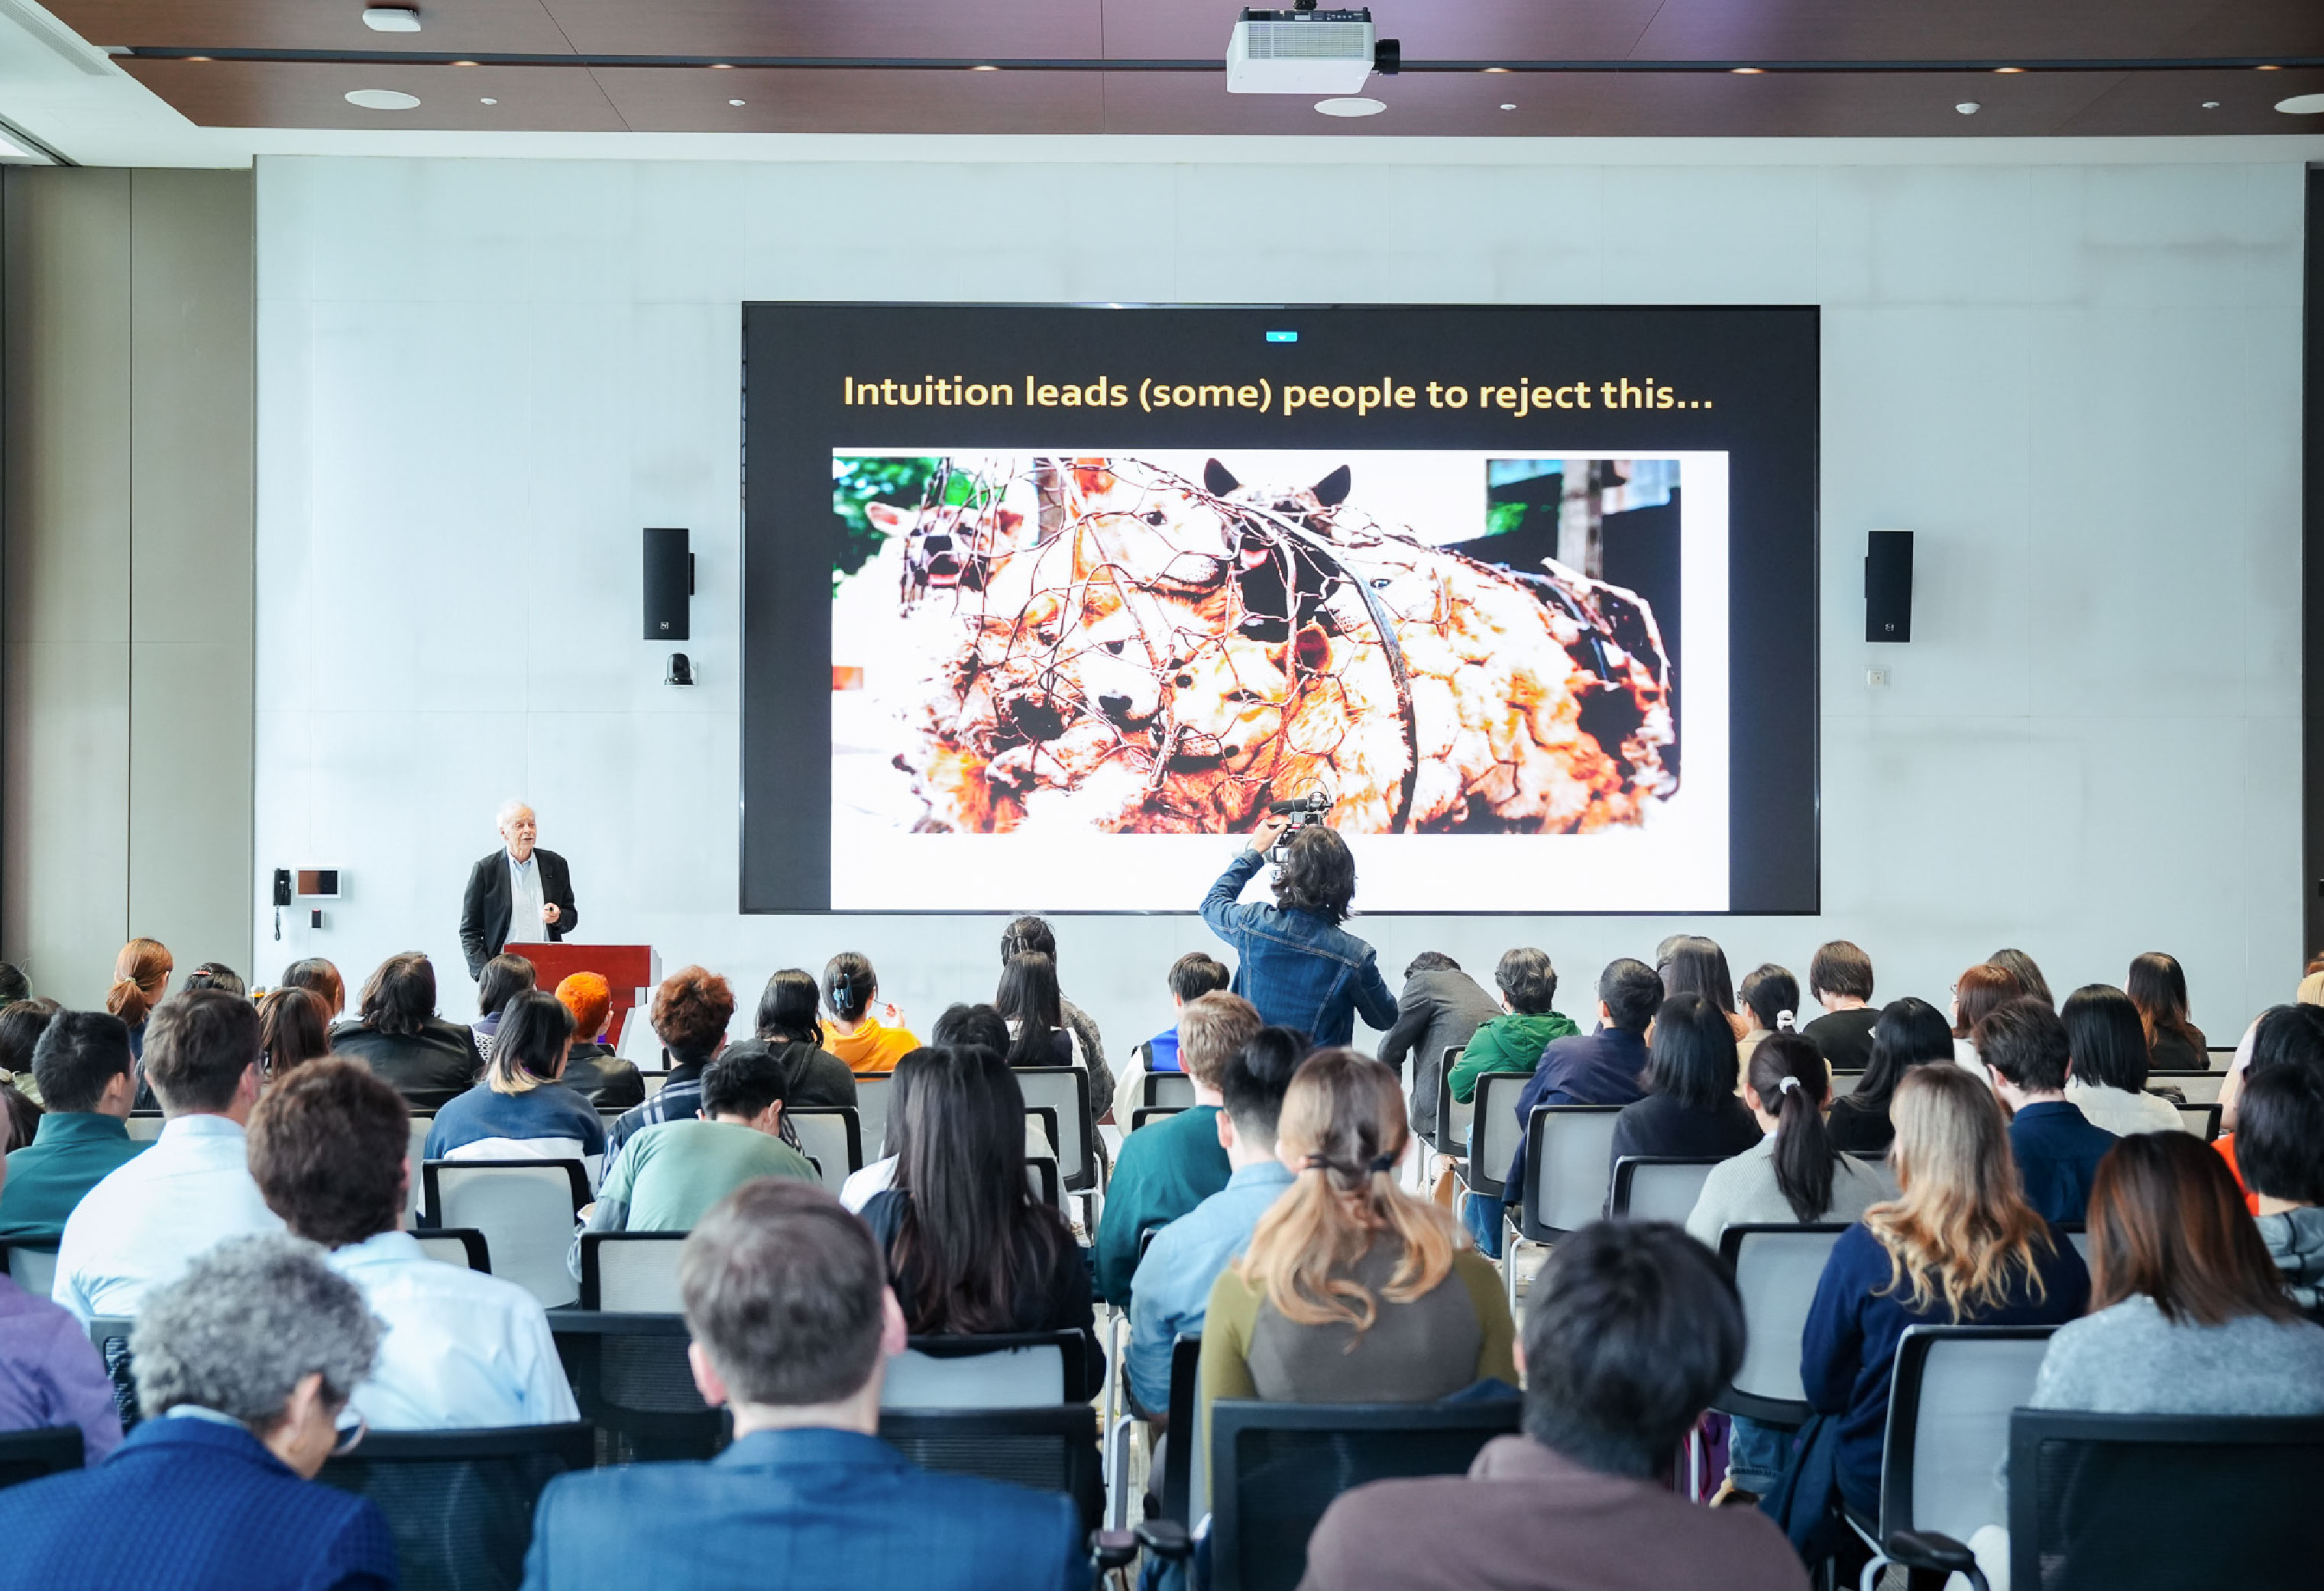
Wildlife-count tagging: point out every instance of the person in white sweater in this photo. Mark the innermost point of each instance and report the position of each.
(2108, 1078)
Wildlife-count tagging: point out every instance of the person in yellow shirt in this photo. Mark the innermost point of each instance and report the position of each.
(871, 1037)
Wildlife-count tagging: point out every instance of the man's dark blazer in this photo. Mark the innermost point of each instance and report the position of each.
(190, 1504)
(808, 1510)
(484, 908)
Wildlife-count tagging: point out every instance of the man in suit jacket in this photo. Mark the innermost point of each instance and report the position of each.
(792, 1320)
(1441, 1009)
(515, 888)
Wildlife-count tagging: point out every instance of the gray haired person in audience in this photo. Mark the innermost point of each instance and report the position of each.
(1439, 1008)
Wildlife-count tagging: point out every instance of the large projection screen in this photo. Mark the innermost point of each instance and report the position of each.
(1039, 602)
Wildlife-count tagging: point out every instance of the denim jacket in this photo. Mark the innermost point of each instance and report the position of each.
(1300, 970)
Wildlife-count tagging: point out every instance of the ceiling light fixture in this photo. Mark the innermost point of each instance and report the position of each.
(722, 66)
(1350, 107)
(1968, 107)
(1496, 69)
(198, 57)
(984, 68)
(2210, 105)
(382, 99)
(2302, 104)
(463, 63)
(2008, 71)
(1748, 71)
(1508, 108)
(734, 102)
(392, 19)
(488, 102)
(2267, 69)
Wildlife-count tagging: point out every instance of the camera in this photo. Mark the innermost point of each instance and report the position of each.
(1306, 812)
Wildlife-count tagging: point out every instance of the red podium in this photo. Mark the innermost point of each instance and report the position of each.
(633, 971)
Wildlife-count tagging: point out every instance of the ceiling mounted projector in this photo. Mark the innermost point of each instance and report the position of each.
(1306, 52)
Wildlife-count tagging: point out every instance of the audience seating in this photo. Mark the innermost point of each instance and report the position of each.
(1065, 1090)
(1174, 1088)
(631, 1273)
(524, 1207)
(2087, 1509)
(2196, 1088)
(630, 1377)
(1495, 1131)
(1567, 1151)
(110, 1334)
(1052, 1448)
(1040, 1128)
(1844, 1083)
(456, 1245)
(412, 1158)
(872, 1095)
(653, 1081)
(832, 1137)
(33, 1269)
(2203, 1121)
(1145, 1114)
(1184, 1473)
(1275, 1468)
(460, 1503)
(1018, 1370)
(1655, 1188)
(1775, 1269)
(1453, 1118)
(28, 1455)
(1041, 1174)
(2079, 1235)
(145, 1125)
(2221, 1057)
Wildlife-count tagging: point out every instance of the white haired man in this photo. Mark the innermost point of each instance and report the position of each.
(515, 888)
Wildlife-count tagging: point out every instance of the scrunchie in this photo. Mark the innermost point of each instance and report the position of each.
(1788, 1085)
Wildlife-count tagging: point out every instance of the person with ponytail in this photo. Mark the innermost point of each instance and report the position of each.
(1352, 1291)
(869, 1038)
(1771, 1004)
(141, 976)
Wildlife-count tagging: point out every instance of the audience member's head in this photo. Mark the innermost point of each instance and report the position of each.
(2157, 986)
(21, 1027)
(1430, 961)
(201, 1053)
(261, 1330)
(2289, 1035)
(1692, 1055)
(789, 1010)
(327, 1147)
(2279, 1134)
(2024, 1045)
(1982, 990)
(1911, 1033)
(2167, 1221)
(505, 976)
(787, 1304)
(1254, 1082)
(218, 976)
(294, 1027)
(588, 998)
(535, 1037)
(1196, 974)
(1210, 1030)
(1790, 1085)
(690, 1013)
(2020, 966)
(1771, 996)
(748, 1086)
(850, 986)
(1028, 999)
(320, 976)
(1318, 875)
(1631, 1329)
(1027, 936)
(141, 974)
(1632, 992)
(20, 1118)
(1527, 982)
(2311, 991)
(973, 1027)
(1697, 966)
(1959, 1229)
(400, 996)
(1840, 971)
(1343, 1130)
(2105, 1038)
(14, 985)
(78, 1058)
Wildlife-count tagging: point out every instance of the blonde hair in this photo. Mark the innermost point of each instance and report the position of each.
(2311, 991)
(1959, 1226)
(1343, 1124)
(139, 972)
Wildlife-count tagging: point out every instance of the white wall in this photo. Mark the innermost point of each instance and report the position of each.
(2079, 383)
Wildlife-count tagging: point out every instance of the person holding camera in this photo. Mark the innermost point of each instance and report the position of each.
(1293, 960)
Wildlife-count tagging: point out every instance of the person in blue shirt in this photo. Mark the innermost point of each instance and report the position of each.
(2025, 1048)
(793, 1323)
(521, 1111)
(1171, 1290)
(1294, 961)
(1192, 976)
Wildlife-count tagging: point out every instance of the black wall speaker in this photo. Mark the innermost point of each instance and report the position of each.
(669, 582)
(1889, 586)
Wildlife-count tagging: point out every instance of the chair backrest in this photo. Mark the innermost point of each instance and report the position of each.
(1949, 1424)
(1026, 1370)
(460, 1503)
(28, 1455)
(832, 1137)
(145, 1125)
(1146, 1115)
(415, 1152)
(110, 1336)
(1845, 1082)
(630, 1375)
(1275, 1468)
(1569, 1153)
(524, 1207)
(653, 1081)
(1182, 1461)
(1042, 1174)
(1495, 1130)
(1065, 1090)
(871, 1097)
(1655, 1188)
(33, 1269)
(1776, 1269)
(1174, 1088)
(1040, 1130)
(1049, 1449)
(456, 1245)
(606, 1119)
(1453, 1117)
(2196, 1088)
(634, 1272)
(2079, 1235)
(2203, 1121)
(2083, 1514)
(2219, 1057)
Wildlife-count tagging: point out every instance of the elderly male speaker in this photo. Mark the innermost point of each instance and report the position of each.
(516, 892)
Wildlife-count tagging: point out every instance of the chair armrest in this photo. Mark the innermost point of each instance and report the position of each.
(1166, 1539)
(1929, 1549)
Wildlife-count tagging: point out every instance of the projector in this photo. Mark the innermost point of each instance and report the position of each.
(1306, 52)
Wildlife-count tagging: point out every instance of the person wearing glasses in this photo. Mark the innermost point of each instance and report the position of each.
(243, 1365)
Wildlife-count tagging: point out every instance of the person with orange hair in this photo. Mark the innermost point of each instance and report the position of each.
(141, 976)
(592, 1069)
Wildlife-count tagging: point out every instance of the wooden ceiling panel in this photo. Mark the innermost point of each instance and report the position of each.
(447, 27)
(695, 100)
(1431, 30)
(861, 29)
(1957, 30)
(2150, 104)
(313, 93)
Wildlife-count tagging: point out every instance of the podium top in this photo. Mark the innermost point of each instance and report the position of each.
(627, 966)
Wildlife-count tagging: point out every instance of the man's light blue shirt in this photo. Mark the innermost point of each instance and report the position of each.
(142, 1226)
(524, 900)
(1172, 1288)
(462, 1349)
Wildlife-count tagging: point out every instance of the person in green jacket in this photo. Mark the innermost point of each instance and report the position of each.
(1514, 1042)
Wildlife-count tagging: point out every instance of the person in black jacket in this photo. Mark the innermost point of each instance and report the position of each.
(788, 1026)
(1691, 1111)
(517, 876)
(1441, 1008)
(398, 1034)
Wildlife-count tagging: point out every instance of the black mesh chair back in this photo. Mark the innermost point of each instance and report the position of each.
(456, 1245)
(1146, 1114)
(28, 1455)
(2087, 1509)
(110, 1333)
(1495, 1130)
(1948, 1411)
(1048, 1449)
(630, 1378)
(1775, 1270)
(1568, 1174)
(1183, 1448)
(1275, 1468)
(1453, 1118)
(1017, 1370)
(460, 1503)
(1658, 1188)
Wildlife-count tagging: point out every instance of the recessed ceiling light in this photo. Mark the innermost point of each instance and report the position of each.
(198, 57)
(986, 67)
(1496, 69)
(488, 102)
(734, 102)
(2267, 69)
(1353, 107)
(392, 19)
(1968, 107)
(382, 99)
(463, 63)
(2210, 105)
(2008, 71)
(2302, 104)
(1508, 108)
(722, 66)
(1748, 71)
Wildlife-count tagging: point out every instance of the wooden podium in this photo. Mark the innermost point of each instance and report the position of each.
(633, 970)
